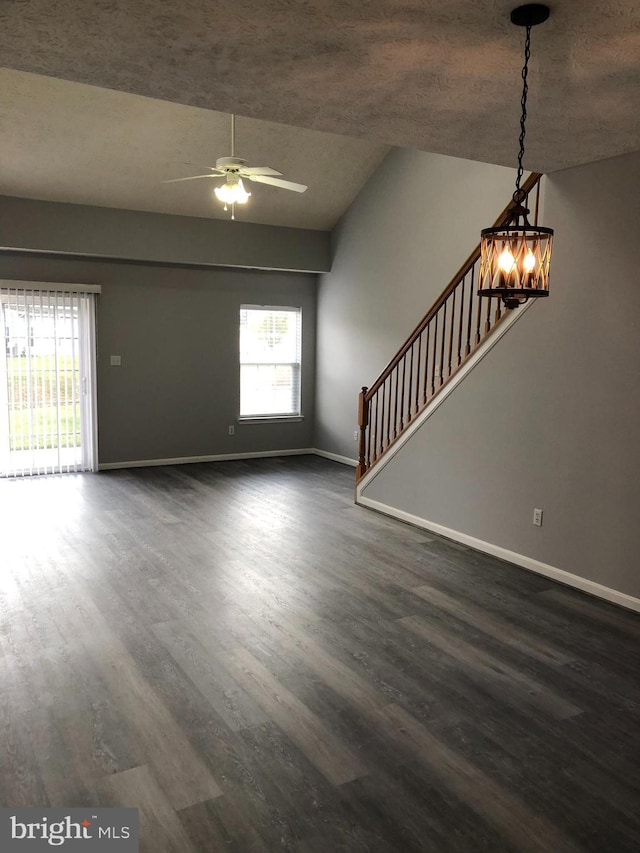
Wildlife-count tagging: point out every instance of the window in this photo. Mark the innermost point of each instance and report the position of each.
(270, 346)
(47, 379)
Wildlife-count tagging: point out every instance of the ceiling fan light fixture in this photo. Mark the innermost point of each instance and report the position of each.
(232, 169)
(515, 257)
(232, 192)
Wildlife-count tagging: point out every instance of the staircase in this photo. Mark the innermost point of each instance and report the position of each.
(451, 333)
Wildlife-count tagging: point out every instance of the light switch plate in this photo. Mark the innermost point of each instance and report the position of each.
(116, 360)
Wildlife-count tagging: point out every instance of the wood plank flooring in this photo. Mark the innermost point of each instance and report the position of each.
(259, 665)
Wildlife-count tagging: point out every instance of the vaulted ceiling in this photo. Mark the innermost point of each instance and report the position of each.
(64, 141)
(437, 76)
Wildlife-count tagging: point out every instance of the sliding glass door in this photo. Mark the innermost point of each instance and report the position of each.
(47, 370)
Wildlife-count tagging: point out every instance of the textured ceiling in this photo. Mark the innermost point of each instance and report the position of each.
(64, 141)
(428, 74)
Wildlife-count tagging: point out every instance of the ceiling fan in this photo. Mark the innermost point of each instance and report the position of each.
(234, 169)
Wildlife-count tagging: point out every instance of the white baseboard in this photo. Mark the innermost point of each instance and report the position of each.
(335, 457)
(220, 457)
(226, 457)
(590, 587)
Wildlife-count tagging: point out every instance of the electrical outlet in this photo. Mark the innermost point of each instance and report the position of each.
(232, 429)
(537, 517)
(356, 435)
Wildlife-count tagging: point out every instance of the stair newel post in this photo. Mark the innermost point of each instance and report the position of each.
(363, 422)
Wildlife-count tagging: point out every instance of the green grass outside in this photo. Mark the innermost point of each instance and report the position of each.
(41, 362)
(33, 380)
(38, 429)
(36, 401)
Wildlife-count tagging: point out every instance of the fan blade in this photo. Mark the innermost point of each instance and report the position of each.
(276, 182)
(193, 178)
(259, 170)
(195, 165)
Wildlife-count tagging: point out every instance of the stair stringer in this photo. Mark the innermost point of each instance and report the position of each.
(463, 371)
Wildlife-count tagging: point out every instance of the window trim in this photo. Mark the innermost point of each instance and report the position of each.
(258, 419)
(273, 418)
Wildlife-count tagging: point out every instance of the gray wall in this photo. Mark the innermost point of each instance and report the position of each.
(405, 236)
(551, 416)
(176, 330)
(76, 229)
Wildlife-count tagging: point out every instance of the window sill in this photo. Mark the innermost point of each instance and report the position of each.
(268, 419)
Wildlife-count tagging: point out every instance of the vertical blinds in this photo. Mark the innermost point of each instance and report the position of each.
(47, 369)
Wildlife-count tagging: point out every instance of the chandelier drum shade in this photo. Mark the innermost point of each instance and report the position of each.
(515, 258)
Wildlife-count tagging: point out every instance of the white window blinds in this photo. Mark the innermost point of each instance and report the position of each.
(270, 358)
(47, 370)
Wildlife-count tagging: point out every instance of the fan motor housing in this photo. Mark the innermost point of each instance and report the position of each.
(230, 164)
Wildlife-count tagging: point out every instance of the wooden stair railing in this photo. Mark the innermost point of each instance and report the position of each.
(457, 323)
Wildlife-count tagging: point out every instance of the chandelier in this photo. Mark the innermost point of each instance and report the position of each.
(515, 258)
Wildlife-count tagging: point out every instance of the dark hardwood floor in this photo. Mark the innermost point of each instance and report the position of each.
(259, 665)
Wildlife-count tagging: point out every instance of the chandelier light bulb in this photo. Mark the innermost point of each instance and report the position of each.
(506, 261)
(529, 262)
(232, 192)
